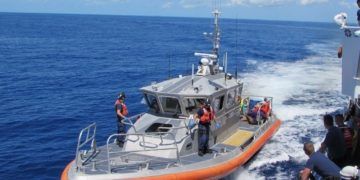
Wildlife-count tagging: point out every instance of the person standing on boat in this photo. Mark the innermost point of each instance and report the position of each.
(204, 115)
(334, 142)
(319, 163)
(121, 112)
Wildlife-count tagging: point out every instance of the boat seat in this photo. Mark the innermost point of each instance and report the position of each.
(239, 138)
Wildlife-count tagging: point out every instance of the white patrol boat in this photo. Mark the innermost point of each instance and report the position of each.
(350, 54)
(162, 143)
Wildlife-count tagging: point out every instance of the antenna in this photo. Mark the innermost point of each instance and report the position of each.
(192, 74)
(225, 62)
(216, 34)
(169, 65)
(211, 60)
(186, 67)
(225, 66)
(236, 71)
(237, 46)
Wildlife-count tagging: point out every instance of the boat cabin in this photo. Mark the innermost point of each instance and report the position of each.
(180, 97)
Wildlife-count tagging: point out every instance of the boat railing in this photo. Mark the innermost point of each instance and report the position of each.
(352, 27)
(176, 128)
(130, 120)
(147, 147)
(86, 138)
(263, 127)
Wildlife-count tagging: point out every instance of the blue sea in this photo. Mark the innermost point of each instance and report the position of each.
(59, 73)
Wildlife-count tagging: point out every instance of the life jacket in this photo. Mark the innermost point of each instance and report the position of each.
(207, 116)
(265, 108)
(348, 137)
(124, 110)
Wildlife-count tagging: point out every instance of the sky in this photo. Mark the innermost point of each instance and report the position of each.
(292, 10)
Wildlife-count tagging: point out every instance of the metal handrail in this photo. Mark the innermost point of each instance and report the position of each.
(156, 148)
(180, 139)
(88, 138)
(263, 127)
(129, 119)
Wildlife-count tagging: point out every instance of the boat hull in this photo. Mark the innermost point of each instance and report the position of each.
(226, 166)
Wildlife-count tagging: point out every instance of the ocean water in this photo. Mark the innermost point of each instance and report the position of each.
(59, 73)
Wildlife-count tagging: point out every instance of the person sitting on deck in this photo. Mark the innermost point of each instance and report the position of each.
(348, 136)
(262, 108)
(334, 142)
(265, 108)
(319, 163)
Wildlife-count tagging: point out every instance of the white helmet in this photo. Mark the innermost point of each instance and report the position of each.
(349, 172)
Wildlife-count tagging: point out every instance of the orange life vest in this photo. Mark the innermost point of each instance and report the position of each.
(207, 116)
(265, 108)
(124, 110)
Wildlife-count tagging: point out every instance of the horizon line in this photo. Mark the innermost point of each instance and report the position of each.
(163, 16)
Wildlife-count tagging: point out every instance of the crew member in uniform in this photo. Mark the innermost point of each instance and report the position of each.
(204, 115)
(121, 113)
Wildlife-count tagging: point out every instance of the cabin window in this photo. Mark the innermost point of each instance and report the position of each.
(152, 102)
(192, 104)
(231, 96)
(170, 105)
(158, 127)
(218, 103)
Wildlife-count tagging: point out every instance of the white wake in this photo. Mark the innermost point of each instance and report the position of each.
(303, 91)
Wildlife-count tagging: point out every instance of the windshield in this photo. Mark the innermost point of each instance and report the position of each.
(152, 102)
(192, 104)
(170, 105)
(218, 103)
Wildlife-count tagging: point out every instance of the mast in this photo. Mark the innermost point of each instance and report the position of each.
(216, 34)
(209, 61)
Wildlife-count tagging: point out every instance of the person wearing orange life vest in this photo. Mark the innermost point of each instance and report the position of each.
(121, 113)
(204, 115)
(262, 108)
(265, 108)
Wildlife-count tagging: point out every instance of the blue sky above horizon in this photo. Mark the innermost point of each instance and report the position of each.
(293, 10)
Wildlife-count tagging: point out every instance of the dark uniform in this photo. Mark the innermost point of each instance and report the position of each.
(335, 144)
(205, 115)
(119, 105)
(323, 166)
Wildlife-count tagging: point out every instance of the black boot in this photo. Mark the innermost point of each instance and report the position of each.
(201, 152)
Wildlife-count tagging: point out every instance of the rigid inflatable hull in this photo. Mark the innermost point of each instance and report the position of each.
(216, 171)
